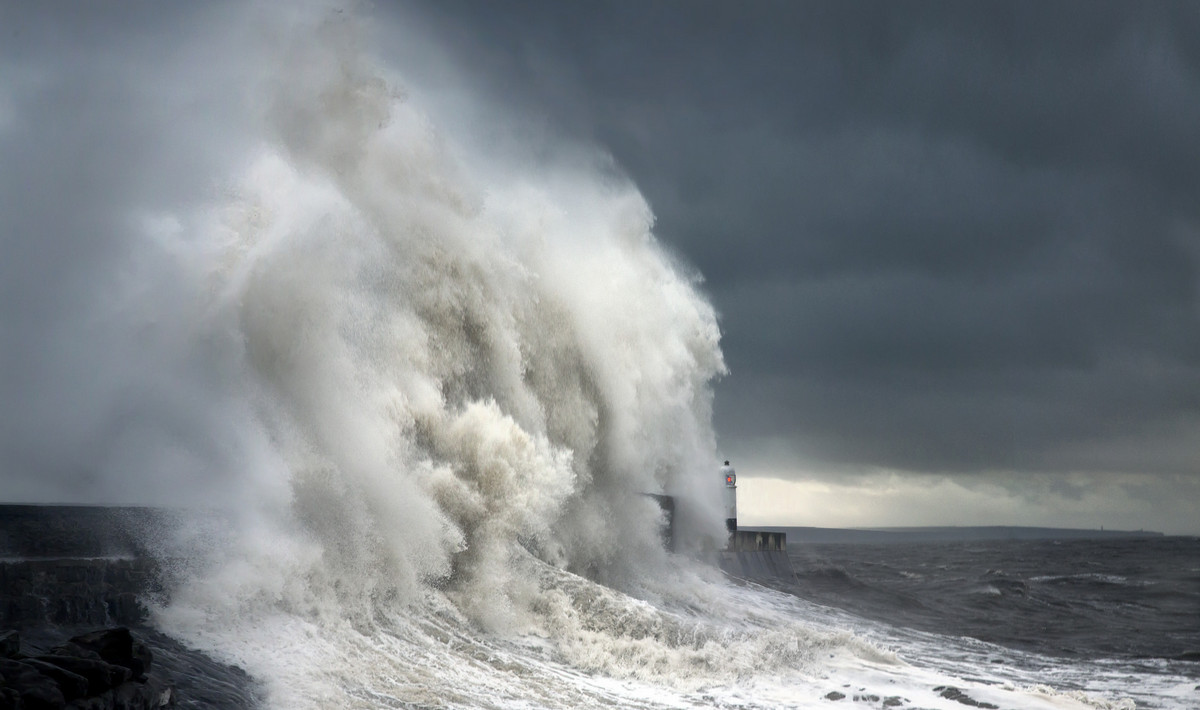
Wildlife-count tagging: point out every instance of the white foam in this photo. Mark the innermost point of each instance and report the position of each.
(692, 640)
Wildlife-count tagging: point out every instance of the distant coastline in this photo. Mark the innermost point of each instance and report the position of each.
(799, 534)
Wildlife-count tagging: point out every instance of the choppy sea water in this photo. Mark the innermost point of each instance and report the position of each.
(1124, 598)
(690, 637)
(1115, 614)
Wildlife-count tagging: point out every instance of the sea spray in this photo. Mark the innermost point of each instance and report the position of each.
(446, 375)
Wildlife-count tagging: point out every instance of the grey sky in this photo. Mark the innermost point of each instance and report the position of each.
(957, 240)
(947, 238)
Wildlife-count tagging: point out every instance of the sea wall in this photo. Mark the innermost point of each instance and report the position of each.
(78, 531)
(75, 572)
(75, 565)
(876, 536)
(757, 554)
(75, 591)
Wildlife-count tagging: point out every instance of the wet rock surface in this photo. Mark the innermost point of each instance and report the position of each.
(74, 582)
(951, 693)
(108, 669)
(117, 669)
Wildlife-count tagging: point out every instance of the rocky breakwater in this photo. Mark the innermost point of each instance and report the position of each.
(102, 670)
(66, 571)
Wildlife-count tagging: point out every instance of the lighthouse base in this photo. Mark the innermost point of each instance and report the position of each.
(757, 554)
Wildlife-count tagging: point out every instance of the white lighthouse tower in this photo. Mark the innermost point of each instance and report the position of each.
(730, 477)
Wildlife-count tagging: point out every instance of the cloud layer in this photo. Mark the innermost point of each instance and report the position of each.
(959, 239)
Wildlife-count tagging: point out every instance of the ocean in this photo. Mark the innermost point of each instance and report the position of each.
(1120, 615)
(993, 624)
(1135, 600)
(1006, 624)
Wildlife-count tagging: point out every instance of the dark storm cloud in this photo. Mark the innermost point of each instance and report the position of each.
(942, 236)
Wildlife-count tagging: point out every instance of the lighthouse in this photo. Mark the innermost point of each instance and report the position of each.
(730, 477)
(748, 554)
(751, 554)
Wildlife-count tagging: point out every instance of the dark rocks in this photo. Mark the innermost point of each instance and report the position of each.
(891, 701)
(100, 675)
(101, 670)
(71, 684)
(69, 648)
(951, 693)
(67, 569)
(32, 690)
(119, 647)
(8, 697)
(10, 644)
(201, 683)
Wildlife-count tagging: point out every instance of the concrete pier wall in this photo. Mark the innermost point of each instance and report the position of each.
(761, 540)
(757, 554)
(75, 565)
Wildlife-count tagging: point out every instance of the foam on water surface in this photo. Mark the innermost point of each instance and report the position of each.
(717, 644)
